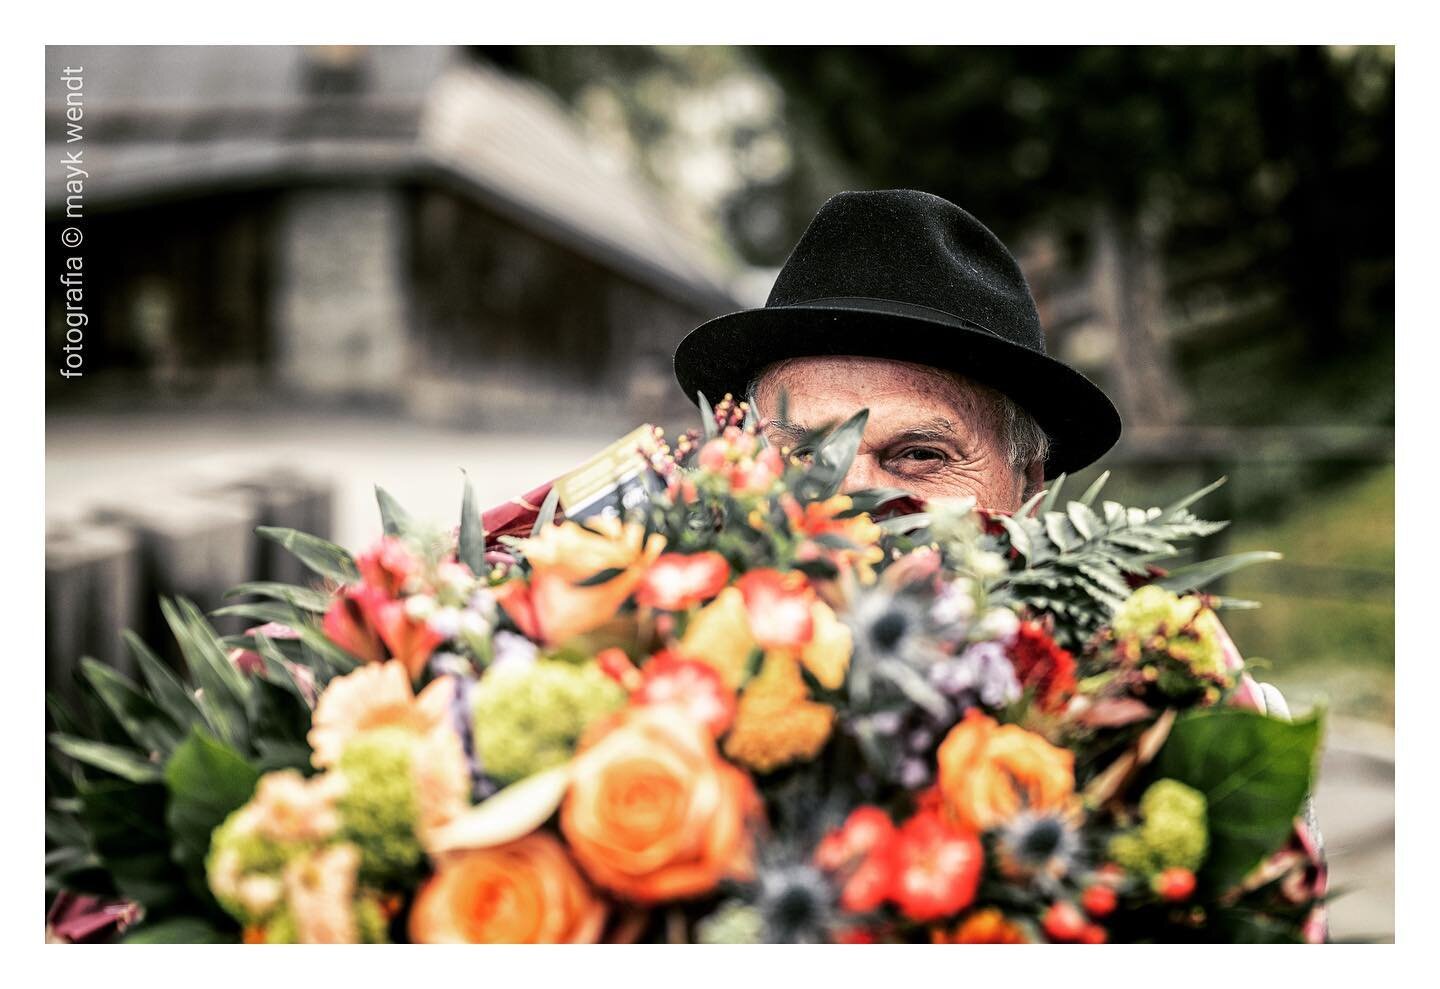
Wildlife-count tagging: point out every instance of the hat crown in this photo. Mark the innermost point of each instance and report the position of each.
(912, 248)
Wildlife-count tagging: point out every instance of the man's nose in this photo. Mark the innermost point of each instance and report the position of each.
(864, 473)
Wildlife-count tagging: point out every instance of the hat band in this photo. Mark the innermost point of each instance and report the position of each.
(889, 306)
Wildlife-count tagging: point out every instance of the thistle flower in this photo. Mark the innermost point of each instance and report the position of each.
(1039, 847)
(795, 903)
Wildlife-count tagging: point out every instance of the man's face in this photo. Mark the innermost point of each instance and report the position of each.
(930, 432)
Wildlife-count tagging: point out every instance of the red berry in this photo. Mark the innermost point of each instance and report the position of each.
(1099, 900)
(1094, 934)
(1174, 884)
(1064, 922)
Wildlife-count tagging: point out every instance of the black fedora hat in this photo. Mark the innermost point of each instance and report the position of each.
(908, 276)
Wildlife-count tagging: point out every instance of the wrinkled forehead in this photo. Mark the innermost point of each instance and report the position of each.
(837, 386)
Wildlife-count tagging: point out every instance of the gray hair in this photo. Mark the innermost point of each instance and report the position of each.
(1025, 441)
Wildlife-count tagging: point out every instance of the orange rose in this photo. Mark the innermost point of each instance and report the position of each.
(556, 603)
(991, 772)
(987, 926)
(653, 813)
(524, 892)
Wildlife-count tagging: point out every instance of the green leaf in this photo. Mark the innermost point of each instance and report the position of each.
(707, 417)
(1195, 576)
(276, 668)
(165, 687)
(1019, 538)
(222, 686)
(471, 548)
(264, 612)
(833, 457)
(395, 520)
(320, 555)
(206, 780)
(124, 763)
(305, 598)
(1254, 771)
(547, 512)
(1051, 496)
(1083, 520)
(178, 930)
(1179, 506)
(1093, 491)
(143, 720)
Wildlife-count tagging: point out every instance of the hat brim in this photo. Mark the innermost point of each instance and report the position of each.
(724, 355)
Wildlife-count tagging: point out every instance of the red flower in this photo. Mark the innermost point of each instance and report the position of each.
(387, 566)
(1099, 900)
(1064, 922)
(695, 686)
(1174, 884)
(866, 828)
(778, 607)
(937, 868)
(349, 623)
(927, 868)
(1042, 665)
(615, 664)
(410, 641)
(677, 581)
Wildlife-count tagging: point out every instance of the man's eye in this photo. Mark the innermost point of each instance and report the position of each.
(921, 454)
(803, 454)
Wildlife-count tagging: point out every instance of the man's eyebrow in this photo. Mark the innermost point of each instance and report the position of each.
(789, 430)
(935, 429)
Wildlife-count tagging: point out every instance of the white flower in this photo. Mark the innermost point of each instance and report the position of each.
(997, 624)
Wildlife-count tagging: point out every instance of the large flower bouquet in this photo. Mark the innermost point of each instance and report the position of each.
(718, 701)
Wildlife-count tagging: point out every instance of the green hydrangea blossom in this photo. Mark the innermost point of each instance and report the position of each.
(1173, 831)
(254, 854)
(733, 922)
(379, 809)
(529, 718)
(370, 924)
(1177, 635)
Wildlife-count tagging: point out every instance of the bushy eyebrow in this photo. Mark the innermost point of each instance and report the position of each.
(936, 429)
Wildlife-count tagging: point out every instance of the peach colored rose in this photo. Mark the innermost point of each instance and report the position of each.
(552, 605)
(653, 813)
(990, 772)
(525, 892)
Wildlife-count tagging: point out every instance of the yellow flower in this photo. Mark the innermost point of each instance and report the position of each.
(555, 604)
(775, 722)
(827, 657)
(719, 636)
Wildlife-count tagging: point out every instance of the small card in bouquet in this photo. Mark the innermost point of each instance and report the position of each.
(616, 481)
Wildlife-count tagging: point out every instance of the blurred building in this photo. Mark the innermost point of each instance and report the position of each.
(393, 227)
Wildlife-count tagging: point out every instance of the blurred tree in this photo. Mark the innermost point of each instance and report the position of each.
(1237, 203)
(1262, 179)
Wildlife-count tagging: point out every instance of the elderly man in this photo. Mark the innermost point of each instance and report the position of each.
(903, 303)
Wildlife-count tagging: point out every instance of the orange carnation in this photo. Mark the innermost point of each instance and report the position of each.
(653, 813)
(991, 772)
(524, 892)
